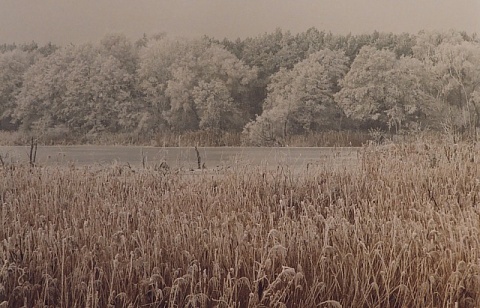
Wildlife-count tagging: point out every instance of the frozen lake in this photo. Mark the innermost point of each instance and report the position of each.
(183, 157)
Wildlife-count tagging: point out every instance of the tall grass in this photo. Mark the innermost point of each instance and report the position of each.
(330, 139)
(185, 139)
(167, 139)
(401, 230)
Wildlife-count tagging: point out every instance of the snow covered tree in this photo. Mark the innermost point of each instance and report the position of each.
(13, 65)
(215, 106)
(119, 47)
(155, 71)
(77, 88)
(176, 75)
(452, 61)
(381, 90)
(301, 99)
(458, 69)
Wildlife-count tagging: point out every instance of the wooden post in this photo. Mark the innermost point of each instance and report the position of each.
(199, 159)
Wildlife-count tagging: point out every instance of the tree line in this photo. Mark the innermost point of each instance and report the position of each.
(269, 87)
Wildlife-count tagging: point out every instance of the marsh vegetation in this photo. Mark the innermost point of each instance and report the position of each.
(401, 230)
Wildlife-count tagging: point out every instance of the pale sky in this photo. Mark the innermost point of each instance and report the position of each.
(77, 21)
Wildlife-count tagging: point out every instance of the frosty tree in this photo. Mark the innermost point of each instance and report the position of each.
(301, 99)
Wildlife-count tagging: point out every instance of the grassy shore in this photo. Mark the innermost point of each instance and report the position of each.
(401, 230)
(186, 139)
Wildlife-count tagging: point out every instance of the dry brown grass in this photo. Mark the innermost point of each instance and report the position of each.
(401, 231)
(186, 139)
(330, 139)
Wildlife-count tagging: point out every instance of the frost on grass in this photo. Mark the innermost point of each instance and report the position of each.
(400, 230)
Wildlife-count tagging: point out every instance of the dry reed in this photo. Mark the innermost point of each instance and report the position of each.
(401, 230)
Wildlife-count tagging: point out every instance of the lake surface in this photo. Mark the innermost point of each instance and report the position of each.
(213, 157)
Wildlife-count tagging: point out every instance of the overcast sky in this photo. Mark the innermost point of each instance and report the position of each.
(64, 21)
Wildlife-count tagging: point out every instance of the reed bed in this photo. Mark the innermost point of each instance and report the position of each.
(401, 230)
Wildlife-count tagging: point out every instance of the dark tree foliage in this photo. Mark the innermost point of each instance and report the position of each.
(7, 47)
